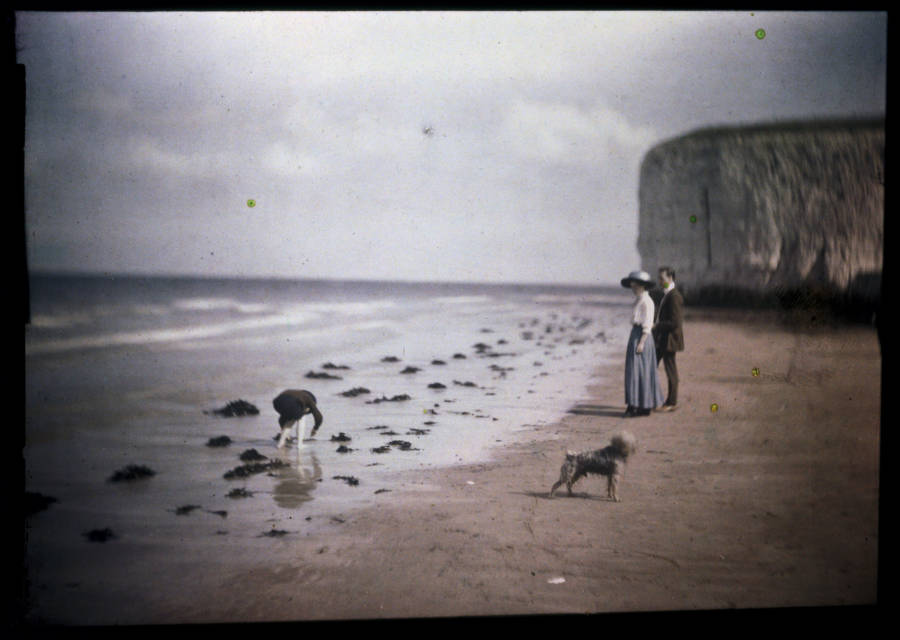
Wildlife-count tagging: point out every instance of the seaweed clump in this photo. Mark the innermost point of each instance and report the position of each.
(252, 455)
(398, 398)
(35, 502)
(100, 535)
(235, 408)
(252, 468)
(220, 441)
(132, 472)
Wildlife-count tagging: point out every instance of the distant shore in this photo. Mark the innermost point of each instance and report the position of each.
(762, 490)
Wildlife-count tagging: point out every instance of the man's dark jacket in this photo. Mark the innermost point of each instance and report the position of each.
(667, 332)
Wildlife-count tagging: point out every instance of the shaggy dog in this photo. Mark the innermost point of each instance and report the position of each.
(608, 461)
(293, 405)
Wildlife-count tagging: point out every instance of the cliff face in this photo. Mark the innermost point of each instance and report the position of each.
(767, 208)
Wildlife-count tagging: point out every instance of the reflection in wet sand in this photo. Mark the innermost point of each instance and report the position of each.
(297, 482)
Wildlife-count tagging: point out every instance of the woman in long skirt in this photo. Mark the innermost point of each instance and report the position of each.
(642, 389)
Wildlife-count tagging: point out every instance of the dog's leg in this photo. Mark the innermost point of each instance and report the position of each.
(564, 473)
(285, 432)
(572, 479)
(556, 485)
(301, 429)
(612, 486)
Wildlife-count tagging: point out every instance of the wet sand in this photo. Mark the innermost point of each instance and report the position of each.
(771, 500)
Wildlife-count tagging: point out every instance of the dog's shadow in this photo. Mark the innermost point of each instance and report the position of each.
(545, 495)
(603, 410)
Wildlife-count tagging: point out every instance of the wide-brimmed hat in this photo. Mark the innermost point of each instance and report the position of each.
(641, 277)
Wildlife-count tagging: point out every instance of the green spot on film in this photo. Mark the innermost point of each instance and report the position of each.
(755, 372)
(713, 407)
(760, 34)
(251, 203)
(693, 218)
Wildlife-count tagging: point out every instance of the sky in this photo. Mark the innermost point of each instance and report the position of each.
(423, 146)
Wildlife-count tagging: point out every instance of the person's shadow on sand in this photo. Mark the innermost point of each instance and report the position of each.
(605, 410)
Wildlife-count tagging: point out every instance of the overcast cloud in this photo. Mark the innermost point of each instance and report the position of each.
(498, 147)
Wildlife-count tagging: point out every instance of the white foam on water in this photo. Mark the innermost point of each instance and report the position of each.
(461, 299)
(122, 338)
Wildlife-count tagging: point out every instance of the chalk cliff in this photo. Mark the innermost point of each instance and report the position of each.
(767, 208)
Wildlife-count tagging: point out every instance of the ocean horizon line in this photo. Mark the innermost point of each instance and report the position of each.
(99, 275)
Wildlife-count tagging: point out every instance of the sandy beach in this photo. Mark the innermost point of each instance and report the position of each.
(768, 499)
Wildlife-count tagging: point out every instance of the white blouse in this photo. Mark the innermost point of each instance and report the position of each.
(642, 313)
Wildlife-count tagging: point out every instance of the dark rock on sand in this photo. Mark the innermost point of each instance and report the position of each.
(221, 514)
(344, 449)
(382, 449)
(437, 385)
(390, 359)
(399, 398)
(100, 535)
(35, 502)
(252, 455)
(459, 356)
(418, 432)
(220, 441)
(332, 366)
(438, 362)
(322, 376)
(356, 391)
(239, 492)
(274, 533)
(348, 479)
(341, 437)
(252, 468)
(132, 472)
(377, 427)
(481, 347)
(464, 384)
(235, 408)
(411, 370)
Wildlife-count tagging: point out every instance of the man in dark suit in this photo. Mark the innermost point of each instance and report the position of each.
(668, 335)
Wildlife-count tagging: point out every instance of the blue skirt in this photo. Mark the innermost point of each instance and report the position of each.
(642, 389)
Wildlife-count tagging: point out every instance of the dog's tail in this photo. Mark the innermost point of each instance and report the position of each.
(624, 442)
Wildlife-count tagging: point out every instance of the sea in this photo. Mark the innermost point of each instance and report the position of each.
(128, 372)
